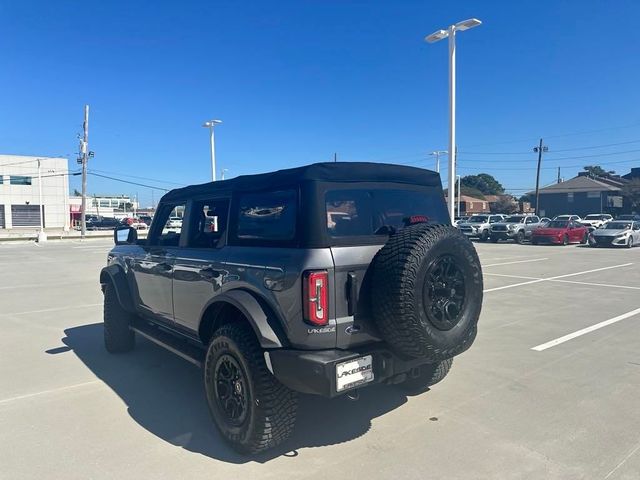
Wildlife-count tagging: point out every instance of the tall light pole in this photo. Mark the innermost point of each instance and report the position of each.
(434, 37)
(211, 125)
(459, 192)
(42, 237)
(437, 154)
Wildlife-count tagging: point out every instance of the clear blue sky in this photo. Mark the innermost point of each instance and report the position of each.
(296, 81)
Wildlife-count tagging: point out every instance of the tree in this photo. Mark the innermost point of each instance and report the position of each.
(468, 191)
(76, 193)
(597, 171)
(484, 183)
(631, 191)
(506, 204)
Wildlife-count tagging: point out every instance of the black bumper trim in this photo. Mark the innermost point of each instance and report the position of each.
(314, 371)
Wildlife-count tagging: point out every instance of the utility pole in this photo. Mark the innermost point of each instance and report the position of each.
(84, 157)
(539, 149)
(558, 174)
(335, 157)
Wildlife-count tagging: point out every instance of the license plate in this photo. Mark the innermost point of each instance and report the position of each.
(354, 372)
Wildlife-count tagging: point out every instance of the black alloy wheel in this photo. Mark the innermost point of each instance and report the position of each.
(444, 293)
(231, 390)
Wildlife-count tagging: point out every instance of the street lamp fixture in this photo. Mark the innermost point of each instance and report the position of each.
(437, 154)
(436, 36)
(210, 125)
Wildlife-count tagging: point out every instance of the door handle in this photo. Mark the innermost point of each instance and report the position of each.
(209, 273)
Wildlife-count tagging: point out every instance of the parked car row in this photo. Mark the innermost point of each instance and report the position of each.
(594, 229)
(95, 222)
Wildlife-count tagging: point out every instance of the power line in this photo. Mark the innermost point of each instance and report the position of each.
(137, 177)
(126, 181)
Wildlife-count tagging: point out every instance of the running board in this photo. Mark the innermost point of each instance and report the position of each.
(181, 348)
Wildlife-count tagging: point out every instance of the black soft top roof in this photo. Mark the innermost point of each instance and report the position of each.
(324, 172)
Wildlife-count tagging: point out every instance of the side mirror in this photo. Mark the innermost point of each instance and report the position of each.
(125, 235)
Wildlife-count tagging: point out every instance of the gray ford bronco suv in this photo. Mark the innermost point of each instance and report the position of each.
(318, 280)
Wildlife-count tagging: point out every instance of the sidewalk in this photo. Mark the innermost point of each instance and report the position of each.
(25, 234)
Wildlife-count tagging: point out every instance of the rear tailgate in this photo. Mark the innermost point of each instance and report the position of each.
(352, 279)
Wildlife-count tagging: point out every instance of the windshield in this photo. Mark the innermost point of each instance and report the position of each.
(594, 217)
(558, 224)
(478, 219)
(617, 225)
(514, 219)
(378, 211)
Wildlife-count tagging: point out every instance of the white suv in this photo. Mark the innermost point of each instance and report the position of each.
(596, 220)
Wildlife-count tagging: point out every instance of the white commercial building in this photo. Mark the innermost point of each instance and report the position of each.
(23, 199)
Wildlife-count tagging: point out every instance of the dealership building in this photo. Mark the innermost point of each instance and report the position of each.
(23, 199)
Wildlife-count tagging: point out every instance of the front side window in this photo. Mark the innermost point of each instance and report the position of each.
(19, 180)
(171, 219)
(376, 211)
(269, 216)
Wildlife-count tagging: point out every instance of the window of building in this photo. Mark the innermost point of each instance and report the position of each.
(570, 197)
(19, 180)
(269, 216)
(593, 194)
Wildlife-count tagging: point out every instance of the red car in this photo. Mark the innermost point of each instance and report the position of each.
(561, 232)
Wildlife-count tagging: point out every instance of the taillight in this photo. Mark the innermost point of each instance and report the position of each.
(315, 297)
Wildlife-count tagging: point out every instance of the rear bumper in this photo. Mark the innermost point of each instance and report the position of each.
(503, 235)
(546, 239)
(314, 372)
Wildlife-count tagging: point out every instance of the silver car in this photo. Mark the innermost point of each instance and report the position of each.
(616, 233)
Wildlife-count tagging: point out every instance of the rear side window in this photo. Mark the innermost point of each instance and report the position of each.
(269, 216)
(372, 211)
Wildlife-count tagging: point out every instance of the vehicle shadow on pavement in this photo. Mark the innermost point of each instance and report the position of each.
(164, 395)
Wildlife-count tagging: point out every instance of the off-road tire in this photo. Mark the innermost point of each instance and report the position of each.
(520, 237)
(430, 374)
(118, 337)
(403, 310)
(271, 407)
(484, 236)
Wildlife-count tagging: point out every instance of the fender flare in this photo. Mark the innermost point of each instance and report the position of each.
(257, 315)
(115, 274)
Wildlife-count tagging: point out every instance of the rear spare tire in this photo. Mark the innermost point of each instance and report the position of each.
(427, 292)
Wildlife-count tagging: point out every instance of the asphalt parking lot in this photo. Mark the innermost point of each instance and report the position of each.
(549, 390)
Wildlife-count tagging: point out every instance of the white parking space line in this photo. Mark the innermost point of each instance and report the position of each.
(584, 331)
(597, 284)
(608, 285)
(538, 280)
(45, 310)
(516, 261)
(510, 276)
(44, 392)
